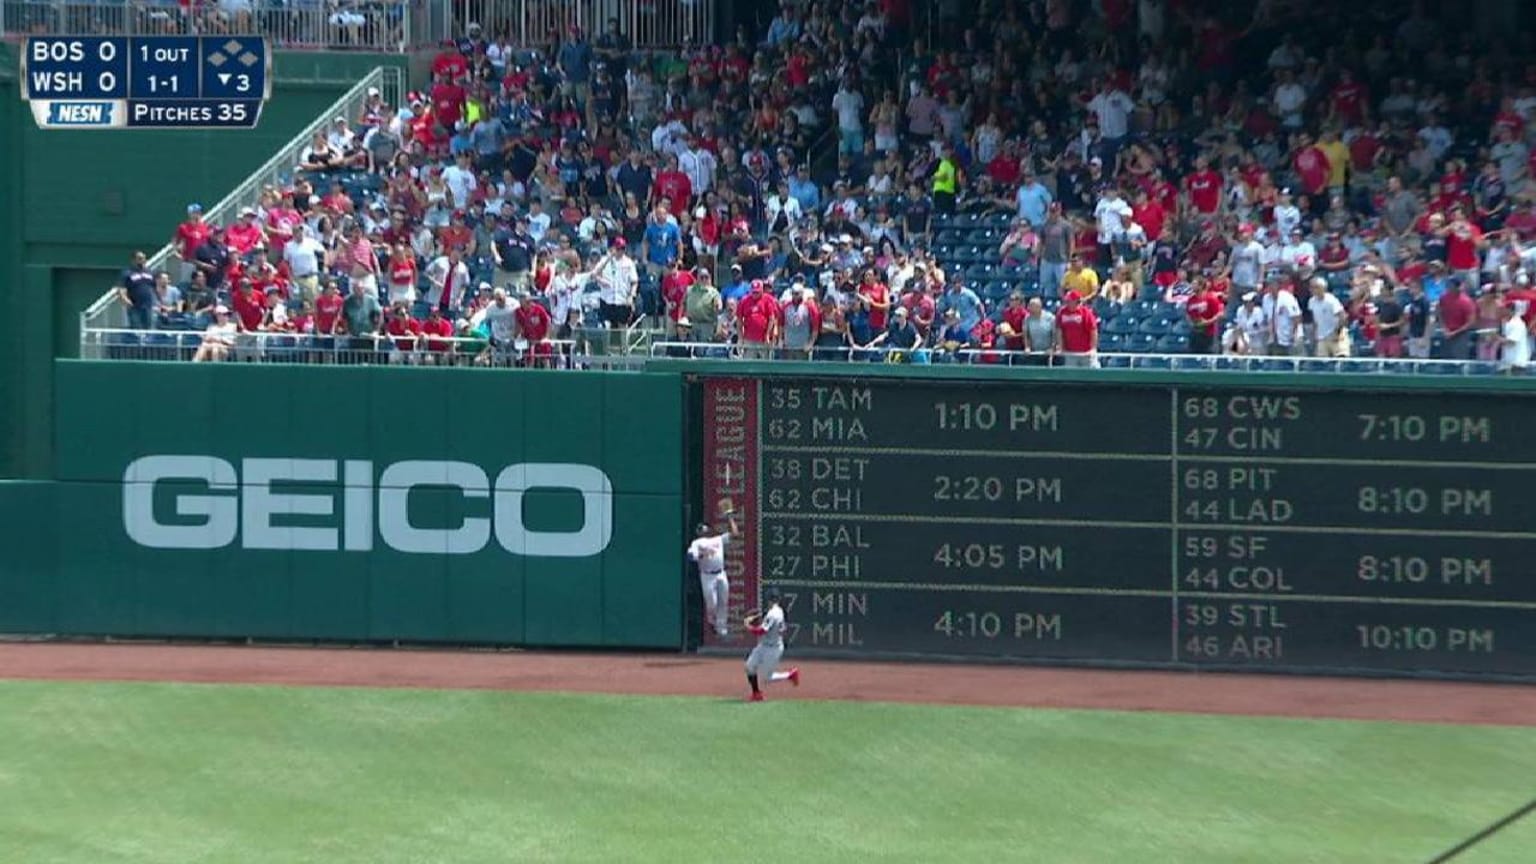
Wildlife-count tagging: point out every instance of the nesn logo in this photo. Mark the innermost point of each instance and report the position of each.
(80, 113)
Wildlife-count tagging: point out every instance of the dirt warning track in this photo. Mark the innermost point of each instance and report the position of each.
(685, 675)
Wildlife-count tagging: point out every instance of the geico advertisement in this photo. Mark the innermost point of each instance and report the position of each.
(241, 505)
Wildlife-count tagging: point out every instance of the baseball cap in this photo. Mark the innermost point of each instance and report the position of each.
(373, 91)
(221, 310)
(247, 211)
(194, 208)
(339, 120)
(620, 243)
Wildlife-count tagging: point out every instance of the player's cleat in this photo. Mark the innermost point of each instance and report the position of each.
(794, 676)
(756, 697)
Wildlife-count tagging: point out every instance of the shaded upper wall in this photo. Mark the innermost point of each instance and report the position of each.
(112, 190)
(75, 204)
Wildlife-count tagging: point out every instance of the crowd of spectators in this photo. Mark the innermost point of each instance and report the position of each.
(1043, 182)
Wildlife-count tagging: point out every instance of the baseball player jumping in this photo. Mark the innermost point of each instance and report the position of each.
(708, 551)
(763, 662)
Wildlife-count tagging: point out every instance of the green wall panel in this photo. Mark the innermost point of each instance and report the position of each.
(28, 573)
(351, 424)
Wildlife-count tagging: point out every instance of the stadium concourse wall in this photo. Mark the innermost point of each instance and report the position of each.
(74, 205)
(450, 506)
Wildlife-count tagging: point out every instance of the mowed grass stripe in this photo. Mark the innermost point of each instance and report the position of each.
(194, 773)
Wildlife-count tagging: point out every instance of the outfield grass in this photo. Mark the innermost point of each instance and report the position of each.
(102, 773)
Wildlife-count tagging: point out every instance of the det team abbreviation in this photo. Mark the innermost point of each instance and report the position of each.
(125, 82)
(1306, 529)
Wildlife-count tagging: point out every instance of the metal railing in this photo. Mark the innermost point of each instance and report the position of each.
(650, 24)
(108, 311)
(187, 346)
(365, 25)
(1116, 360)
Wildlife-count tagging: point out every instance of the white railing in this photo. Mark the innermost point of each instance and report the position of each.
(366, 25)
(1119, 360)
(171, 346)
(108, 311)
(650, 24)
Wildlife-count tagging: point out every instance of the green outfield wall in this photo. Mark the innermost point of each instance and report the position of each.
(353, 503)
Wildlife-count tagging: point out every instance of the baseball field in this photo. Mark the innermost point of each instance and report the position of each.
(236, 755)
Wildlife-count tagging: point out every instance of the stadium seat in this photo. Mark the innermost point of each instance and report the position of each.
(1194, 362)
(1153, 362)
(949, 237)
(1482, 367)
(1172, 344)
(1111, 342)
(1313, 364)
(1274, 364)
(1115, 361)
(1140, 343)
(1155, 325)
(1121, 325)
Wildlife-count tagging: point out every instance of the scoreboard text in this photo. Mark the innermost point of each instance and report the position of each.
(127, 82)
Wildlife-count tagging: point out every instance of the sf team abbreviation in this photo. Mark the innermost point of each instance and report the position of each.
(1287, 527)
(119, 82)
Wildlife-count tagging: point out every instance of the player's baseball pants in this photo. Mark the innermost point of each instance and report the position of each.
(717, 599)
(763, 661)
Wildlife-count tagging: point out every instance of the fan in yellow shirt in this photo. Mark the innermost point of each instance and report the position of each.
(1338, 157)
(1080, 278)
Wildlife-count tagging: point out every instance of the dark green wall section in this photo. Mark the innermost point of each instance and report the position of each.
(77, 203)
(80, 573)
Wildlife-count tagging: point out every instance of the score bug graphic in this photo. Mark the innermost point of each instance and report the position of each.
(126, 82)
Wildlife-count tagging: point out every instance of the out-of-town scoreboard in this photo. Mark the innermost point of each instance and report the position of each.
(1260, 526)
(146, 82)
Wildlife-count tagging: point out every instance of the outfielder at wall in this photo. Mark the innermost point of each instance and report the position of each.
(708, 551)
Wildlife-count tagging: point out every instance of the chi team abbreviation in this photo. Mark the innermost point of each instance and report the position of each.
(243, 505)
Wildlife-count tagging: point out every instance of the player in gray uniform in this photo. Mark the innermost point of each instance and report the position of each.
(763, 662)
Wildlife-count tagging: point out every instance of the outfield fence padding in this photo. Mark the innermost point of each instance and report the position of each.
(420, 505)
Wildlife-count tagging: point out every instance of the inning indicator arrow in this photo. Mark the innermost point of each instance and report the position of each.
(223, 77)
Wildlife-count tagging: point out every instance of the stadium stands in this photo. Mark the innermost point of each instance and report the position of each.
(837, 142)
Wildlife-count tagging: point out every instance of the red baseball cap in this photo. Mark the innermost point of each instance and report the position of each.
(619, 243)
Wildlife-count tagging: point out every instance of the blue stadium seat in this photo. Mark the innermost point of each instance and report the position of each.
(1227, 362)
(1181, 327)
(1317, 365)
(983, 237)
(1155, 362)
(997, 290)
(1357, 365)
(1122, 325)
(949, 237)
(1171, 344)
(1439, 369)
(1155, 325)
(1145, 308)
(979, 272)
(1140, 343)
(1482, 367)
(1115, 361)
(1402, 367)
(1111, 342)
(1193, 362)
(1275, 364)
